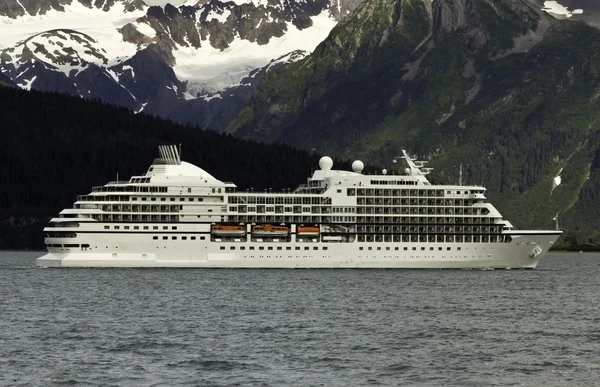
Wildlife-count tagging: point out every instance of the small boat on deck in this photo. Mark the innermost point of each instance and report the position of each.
(269, 230)
(228, 230)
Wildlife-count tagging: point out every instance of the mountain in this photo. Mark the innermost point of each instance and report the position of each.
(498, 86)
(160, 59)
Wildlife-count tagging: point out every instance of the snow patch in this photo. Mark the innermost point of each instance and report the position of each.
(220, 17)
(98, 24)
(556, 8)
(145, 29)
(207, 66)
(27, 83)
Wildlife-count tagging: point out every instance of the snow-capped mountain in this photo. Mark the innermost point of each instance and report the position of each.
(192, 61)
(162, 59)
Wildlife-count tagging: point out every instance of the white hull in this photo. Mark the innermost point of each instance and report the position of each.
(516, 254)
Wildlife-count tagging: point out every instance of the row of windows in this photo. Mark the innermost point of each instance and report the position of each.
(393, 182)
(164, 199)
(412, 229)
(437, 238)
(122, 198)
(423, 210)
(288, 199)
(433, 193)
(405, 248)
(140, 227)
(129, 188)
(385, 201)
(135, 218)
(183, 238)
(272, 248)
(68, 245)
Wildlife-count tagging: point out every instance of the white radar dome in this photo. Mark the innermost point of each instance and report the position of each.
(384, 172)
(358, 166)
(326, 163)
(407, 171)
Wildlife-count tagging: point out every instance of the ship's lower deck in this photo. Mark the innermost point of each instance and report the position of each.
(523, 251)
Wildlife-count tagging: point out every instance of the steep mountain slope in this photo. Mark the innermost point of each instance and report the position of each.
(498, 86)
(157, 58)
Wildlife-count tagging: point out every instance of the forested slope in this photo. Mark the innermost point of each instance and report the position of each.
(55, 147)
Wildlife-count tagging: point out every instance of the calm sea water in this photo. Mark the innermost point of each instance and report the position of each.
(300, 327)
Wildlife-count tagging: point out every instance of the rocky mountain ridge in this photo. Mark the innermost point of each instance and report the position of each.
(158, 59)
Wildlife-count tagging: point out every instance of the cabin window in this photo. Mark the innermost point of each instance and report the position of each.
(165, 238)
(193, 238)
(184, 238)
(155, 237)
(222, 247)
(106, 227)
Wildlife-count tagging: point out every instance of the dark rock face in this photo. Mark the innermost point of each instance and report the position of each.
(6, 80)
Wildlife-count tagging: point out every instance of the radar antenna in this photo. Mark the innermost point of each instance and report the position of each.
(415, 167)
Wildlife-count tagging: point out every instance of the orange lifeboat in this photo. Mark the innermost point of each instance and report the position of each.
(308, 230)
(269, 230)
(228, 230)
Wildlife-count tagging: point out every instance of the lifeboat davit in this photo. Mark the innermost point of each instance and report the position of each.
(228, 230)
(307, 230)
(269, 230)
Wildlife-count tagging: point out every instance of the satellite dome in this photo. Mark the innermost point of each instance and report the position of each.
(407, 171)
(358, 166)
(325, 163)
(384, 172)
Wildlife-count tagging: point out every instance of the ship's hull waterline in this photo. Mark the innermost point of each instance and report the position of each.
(514, 255)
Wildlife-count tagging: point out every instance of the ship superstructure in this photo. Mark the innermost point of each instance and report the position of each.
(178, 215)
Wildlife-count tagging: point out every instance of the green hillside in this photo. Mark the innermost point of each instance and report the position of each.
(497, 86)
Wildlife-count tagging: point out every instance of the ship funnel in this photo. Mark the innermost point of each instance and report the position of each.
(170, 154)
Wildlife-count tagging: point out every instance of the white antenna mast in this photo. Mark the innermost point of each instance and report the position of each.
(556, 219)
(460, 175)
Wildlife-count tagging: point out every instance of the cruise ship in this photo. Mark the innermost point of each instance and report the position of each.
(178, 215)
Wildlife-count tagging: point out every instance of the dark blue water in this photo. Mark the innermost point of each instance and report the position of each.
(300, 327)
